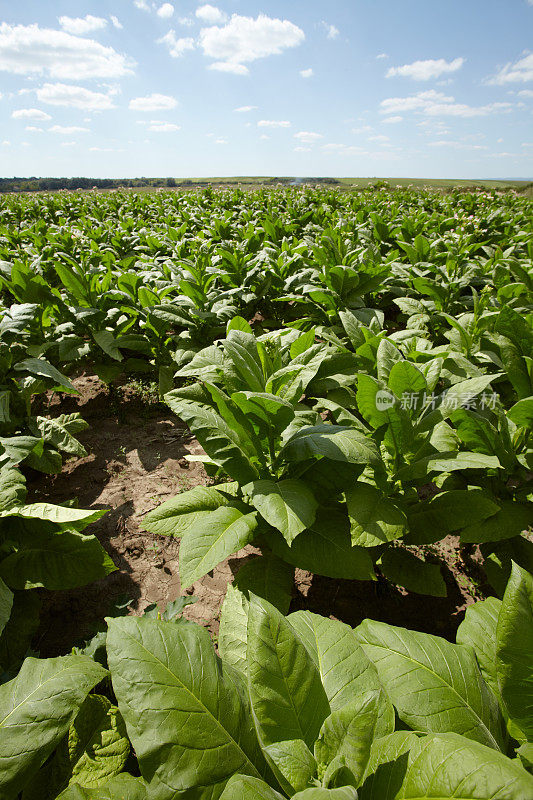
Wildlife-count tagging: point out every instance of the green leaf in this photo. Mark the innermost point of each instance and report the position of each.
(348, 733)
(286, 694)
(186, 717)
(233, 629)
(12, 488)
(97, 746)
(478, 630)
(288, 505)
(436, 686)
(244, 787)
(211, 539)
(522, 413)
(441, 767)
(326, 549)
(6, 604)
(19, 631)
(18, 448)
(42, 368)
(406, 569)
(122, 787)
(447, 462)
(514, 650)
(62, 515)
(511, 520)
(56, 561)
(58, 435)
(269, 413)
(219, 440)
(448, 512)
(319, 793)
(36, 710)
(238, 324)
(336, 442)
(346, 672)
(108, 343)
(406, 380)
(374, 519)
(175, 516)
(268, 577)
(293, 764)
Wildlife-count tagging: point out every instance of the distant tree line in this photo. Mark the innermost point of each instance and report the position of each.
(53, 184)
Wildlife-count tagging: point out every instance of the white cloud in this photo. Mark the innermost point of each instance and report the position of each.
(519, 72)
(379, 137)
(344, 149)
(210, 14)
(33, 129)
(426, 70)
(435, 104)
(229, 66)
(244, 39)
(6, 143)
(153, 102)
(363, 129)
(308, 137)
(307, 73)
(331, 30)
(176, 46)
(300, 149)
(165, 11)
(382, 55)
(30, 113)
(29, 49)
(273, 123)
(116, 22)
(62, 94)
(454, 145)
(79, 26)
(163, 127)
(393, 120)
(142, 5)
(220, 141)
(245, 109)
(68, 144)
(66, 130)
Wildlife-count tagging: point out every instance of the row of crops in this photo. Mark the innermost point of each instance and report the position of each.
(358, 369)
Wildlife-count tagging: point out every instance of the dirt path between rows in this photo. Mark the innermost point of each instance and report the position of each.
(136, 461)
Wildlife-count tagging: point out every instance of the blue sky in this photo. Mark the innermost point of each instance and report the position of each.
(349, 87)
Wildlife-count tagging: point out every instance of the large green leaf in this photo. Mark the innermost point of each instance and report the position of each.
(21, 627)
(42, 368)
(175, 516)
(441, 767)
(185, 715)
(511, 519)
(448, 512)
(336, 442)
(286, 693)
(436, 686)
(55, 561)
(97, 746)
(345, 670)
(374, 519)
(211, 539)
(233, 630)
(348, 734)
(293, 764)
(406, 569)
(55, 433)
(514, 650)
(122, 787)
(478, 629)
(326, 549)
(288, 505)
(12, 488)
(245, 787)
(76, 517)
(36, 710)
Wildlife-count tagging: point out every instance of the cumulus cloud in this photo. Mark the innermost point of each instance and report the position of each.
(163, 127)
(519, 72)
(393, 120)
(142, 5)
(426, 70)
(245, 39)
(29, 49)
(116, 22)
(153, 102)
(307, 73)
(33, 129)
(30, 113)
(176, 46)
(382, 55)
(308, 137)
(165, 11)
(62, 94)
(273, 123)
(245, 109)
(210, 14)
(79, 26)
(67, 130)
(331, 31)
(436, 104)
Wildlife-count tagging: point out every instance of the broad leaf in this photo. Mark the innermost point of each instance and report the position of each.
(436, 686)
(478, 629)
(244, 787)
(175, 516)
(36, 710)
(288, 505)
(374, 519)
(406, 569)
(293, 764)
(123, 787)
(336, 442)
(6, 604)
(186, 717)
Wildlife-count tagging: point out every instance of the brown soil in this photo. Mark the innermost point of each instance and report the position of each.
(135, 462)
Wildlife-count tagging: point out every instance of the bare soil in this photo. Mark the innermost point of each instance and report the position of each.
(137, 461)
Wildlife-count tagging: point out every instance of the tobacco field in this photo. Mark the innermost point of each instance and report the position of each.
(266, 465)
